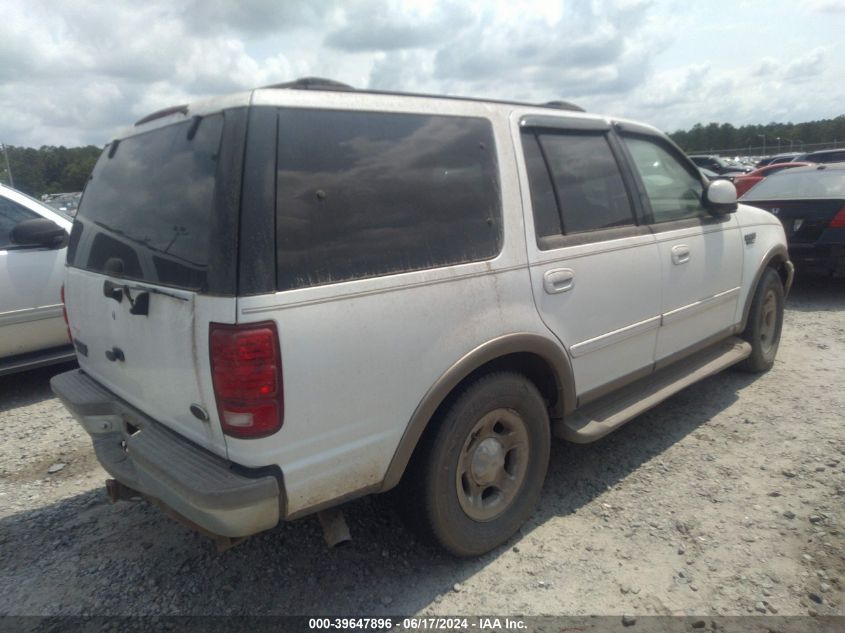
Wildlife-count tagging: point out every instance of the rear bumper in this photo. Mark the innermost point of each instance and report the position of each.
(209, 491)
(822, 257)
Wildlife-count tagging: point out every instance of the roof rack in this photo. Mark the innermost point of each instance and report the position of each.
(563, 105)
(319, 83)
(312, 83)
(181, 109)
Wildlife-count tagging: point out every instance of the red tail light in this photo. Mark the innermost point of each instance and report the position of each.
(64, 311)
(246, 369)
(838, 221)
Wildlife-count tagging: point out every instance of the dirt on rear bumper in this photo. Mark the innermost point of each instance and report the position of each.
(207, 490)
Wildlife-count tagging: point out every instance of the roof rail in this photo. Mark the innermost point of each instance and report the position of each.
(563, 105)
(312, 83)
(321, 83)
(182, 109)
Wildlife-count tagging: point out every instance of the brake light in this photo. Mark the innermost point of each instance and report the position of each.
(64, 311)
(838, 221)
(246, 370)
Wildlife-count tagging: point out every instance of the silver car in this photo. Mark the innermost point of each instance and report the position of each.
(33, 245)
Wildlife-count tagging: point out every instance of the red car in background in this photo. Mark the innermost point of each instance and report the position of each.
(744, 182)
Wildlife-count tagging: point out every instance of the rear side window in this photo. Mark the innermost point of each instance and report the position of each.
(576, 185)
(147, 211)
(364, 194)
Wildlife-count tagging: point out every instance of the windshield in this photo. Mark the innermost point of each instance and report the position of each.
(789, 184)
(147, 210)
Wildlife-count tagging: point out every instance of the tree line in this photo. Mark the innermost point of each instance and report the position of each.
(762, 139)
(48, 169)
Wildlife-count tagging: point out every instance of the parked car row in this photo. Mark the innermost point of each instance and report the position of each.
(719, 165)
(819, 156)
(809, 200)
(807, 193)
(65, 203)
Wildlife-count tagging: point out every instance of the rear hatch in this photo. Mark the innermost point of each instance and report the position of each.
(803, 220)
(152, 261)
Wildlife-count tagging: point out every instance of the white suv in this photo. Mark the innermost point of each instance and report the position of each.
(290, 297)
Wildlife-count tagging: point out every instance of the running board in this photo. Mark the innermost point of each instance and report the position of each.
(599, 418)
(32, 360)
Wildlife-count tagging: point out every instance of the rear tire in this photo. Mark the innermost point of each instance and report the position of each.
(477, 476)
(765, 321)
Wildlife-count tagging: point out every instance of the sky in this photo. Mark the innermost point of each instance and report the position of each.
(74, 72)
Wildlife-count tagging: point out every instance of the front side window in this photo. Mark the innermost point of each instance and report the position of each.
(674, 192)
(11, 213)
(364, 194)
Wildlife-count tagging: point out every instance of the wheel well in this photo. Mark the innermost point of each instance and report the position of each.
(778, 263)
(532, 366)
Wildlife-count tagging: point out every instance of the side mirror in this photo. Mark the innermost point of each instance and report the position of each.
(39, 232)
(720, 197)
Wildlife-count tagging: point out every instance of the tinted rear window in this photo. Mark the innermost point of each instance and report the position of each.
(363, 194)
(147, 210)
(827, 157)
(792, 183)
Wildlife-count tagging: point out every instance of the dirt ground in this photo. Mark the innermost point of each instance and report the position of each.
(728, 499)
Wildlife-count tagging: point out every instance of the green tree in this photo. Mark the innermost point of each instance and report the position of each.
(724, 136)
(50, 169)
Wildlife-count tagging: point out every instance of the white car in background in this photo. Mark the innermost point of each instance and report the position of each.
(33, 245)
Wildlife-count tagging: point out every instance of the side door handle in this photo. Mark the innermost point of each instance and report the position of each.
(558, 280)
(680, 254)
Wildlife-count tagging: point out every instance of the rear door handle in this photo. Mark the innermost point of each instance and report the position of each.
(558, 280)
(680, 254)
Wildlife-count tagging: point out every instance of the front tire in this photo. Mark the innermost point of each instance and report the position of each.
(478, 476)
(765, 321)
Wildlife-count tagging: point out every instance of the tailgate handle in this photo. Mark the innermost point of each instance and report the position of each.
(112, 291)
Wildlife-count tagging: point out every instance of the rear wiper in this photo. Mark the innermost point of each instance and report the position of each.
(154, 291)
(140, 303)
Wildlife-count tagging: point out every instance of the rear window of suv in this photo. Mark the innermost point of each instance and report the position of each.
(364, 194)
(147, 210)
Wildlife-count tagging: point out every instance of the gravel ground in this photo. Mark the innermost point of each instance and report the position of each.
(728, 499)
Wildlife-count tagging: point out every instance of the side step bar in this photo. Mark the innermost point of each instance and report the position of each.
(599, 418)
(32, 360)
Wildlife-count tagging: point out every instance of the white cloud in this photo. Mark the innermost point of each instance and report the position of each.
(73, 73)
(806, 67)
(386, 26)
(826, 6)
